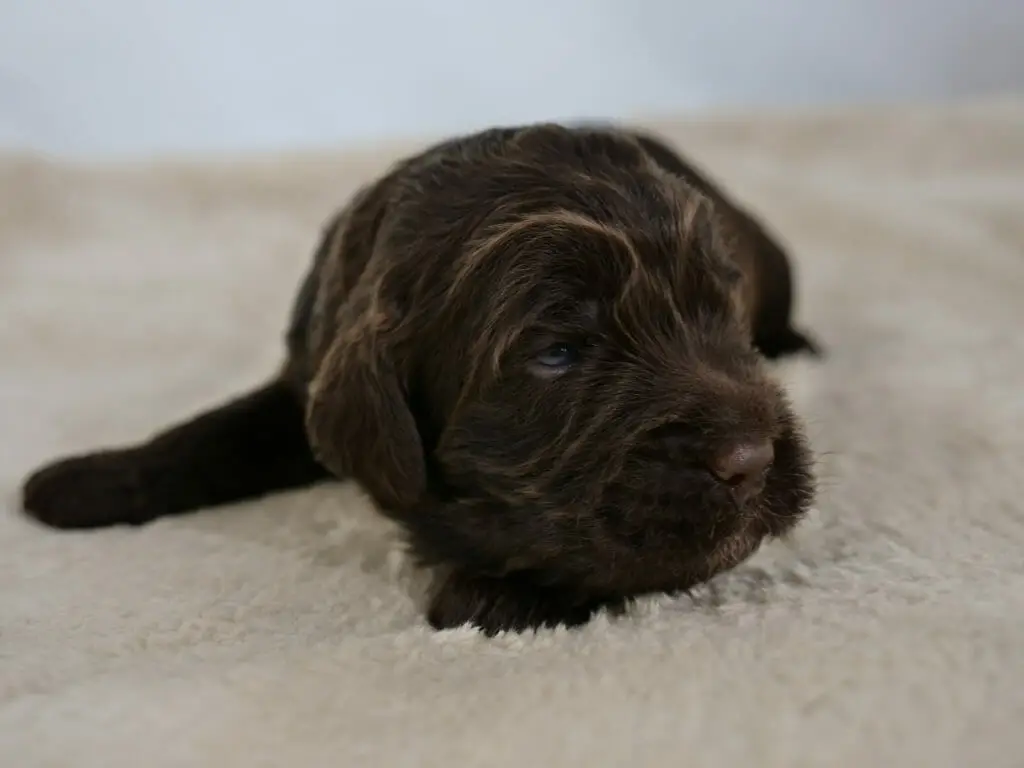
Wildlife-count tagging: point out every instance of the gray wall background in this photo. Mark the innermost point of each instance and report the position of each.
(129, 77)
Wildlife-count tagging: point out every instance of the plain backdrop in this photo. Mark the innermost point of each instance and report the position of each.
(129, 77)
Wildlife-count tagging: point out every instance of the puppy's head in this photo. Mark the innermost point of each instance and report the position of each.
(548, 369)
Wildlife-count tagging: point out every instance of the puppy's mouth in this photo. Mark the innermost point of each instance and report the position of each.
(680, 491)
(689, 490)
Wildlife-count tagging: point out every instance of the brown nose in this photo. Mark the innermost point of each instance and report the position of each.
(742, 465)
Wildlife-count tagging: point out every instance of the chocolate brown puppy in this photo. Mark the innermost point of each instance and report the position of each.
(541, 350)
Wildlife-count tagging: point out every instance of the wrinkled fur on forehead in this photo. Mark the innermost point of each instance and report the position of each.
(450, 203)
(551, 270)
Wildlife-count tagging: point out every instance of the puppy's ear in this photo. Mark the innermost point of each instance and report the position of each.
(358, 419)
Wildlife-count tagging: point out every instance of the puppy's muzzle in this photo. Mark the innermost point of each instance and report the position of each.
(741, 465)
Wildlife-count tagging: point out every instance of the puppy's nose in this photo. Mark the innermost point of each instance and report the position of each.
(742, 465)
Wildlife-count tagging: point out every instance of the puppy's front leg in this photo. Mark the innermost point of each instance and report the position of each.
(247, 447)
(507, 603)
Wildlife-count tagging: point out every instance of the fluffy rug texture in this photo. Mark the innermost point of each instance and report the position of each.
(288, 632)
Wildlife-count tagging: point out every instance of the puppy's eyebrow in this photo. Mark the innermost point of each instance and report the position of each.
(583, 314)
(558, 218)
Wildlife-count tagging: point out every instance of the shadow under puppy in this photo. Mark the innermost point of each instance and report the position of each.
(541, 350)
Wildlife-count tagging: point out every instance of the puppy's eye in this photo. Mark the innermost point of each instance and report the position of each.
(733, 274)
(556, 359)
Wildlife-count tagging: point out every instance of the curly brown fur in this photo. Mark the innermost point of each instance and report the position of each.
(532, 346)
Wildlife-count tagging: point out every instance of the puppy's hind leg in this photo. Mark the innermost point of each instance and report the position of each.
(248, 447)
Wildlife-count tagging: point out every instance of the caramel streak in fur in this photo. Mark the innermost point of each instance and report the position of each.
(251, 446)
(561, 218)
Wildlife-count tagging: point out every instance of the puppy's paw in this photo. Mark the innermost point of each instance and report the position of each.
(495, 605)
(90, 491)
(787, 343)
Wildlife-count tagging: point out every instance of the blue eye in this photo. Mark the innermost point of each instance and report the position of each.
(557, 357)
(733, 274)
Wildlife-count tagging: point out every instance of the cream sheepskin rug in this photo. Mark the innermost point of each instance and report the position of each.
(889, 631)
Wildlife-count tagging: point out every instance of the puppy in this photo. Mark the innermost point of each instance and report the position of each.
(541, 350)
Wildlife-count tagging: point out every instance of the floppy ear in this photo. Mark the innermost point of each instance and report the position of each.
(358, 419)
